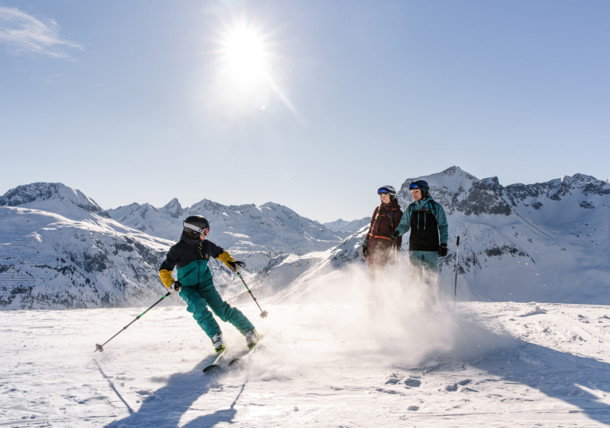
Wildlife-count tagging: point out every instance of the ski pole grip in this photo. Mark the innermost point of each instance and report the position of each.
(457, 242)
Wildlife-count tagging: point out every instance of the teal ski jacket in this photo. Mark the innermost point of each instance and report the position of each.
(428, 224)
(191, 257)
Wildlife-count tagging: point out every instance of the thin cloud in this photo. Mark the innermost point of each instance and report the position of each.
(21, 33)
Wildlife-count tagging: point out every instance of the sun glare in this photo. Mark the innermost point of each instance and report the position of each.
(245, 57)
(248, 74)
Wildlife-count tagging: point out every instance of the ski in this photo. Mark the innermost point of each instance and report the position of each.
(242, 356)
(216, 362)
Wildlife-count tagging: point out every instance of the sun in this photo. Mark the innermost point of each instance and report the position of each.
(246, 57)
(249, 75)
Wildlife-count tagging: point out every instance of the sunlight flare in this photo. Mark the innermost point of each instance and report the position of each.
(246, 56)
(248, 77)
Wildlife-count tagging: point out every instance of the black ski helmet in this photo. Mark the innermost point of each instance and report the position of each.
(194, 225)
(387, 189)
(423, 186)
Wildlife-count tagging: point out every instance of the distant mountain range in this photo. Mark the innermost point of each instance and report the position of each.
(542, 242)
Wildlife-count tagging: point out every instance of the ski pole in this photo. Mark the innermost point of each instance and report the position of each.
(457, 249)
(263, 313)
(100, 348)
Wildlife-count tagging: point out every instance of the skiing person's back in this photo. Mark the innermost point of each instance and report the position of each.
(195, 285)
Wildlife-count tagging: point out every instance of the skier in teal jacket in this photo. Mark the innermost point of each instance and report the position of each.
(196, 286)
(428, 224)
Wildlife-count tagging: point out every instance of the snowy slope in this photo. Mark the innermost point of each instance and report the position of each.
(329, 358)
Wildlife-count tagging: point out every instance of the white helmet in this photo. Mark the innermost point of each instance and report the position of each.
(387, 189)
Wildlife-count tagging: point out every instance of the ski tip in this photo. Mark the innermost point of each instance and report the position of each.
(216, 363)
(209, 368)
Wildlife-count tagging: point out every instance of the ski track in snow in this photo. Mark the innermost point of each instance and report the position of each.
(333, 360)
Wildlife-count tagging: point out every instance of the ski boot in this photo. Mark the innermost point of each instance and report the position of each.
(252, 338)
(217, 342)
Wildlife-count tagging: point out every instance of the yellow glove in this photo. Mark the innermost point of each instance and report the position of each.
(166, 278)
(228, 260)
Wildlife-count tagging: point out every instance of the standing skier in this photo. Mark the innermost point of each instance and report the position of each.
(195, 285)
(380, 241)
(429, 229)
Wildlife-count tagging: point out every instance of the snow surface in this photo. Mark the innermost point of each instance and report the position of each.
(341, 351)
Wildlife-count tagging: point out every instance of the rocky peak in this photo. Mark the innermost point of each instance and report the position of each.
(173, 208)
(54, 197)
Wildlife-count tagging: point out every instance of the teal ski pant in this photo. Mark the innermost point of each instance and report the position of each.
(200, 296)
(427, 259)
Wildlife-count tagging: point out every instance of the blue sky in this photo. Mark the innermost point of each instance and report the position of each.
(144, 101)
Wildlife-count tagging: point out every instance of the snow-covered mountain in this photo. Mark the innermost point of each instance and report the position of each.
(58, 248)
(257, 235)
(271, 226)
(349, 227)
(520, 242)
(54, 198)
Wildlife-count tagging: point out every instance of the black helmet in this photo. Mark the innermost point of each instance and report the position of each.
(387, 189)
(422, 185)
(195, 224)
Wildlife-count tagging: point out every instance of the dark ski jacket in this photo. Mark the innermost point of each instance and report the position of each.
(428, 223)
(386, 218)
(191, 257)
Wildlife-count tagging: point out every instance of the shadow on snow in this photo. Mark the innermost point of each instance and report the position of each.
(168, 404)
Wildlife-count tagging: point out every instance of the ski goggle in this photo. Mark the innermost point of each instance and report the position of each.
(197, 229)
(415, 186)
(382, 191)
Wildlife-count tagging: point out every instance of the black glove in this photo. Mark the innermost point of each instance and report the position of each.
(396, 234)
(442, 250)
(175, 288)
(235, 266)
(365, 248)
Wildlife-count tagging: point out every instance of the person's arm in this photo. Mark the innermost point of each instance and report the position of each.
(226, 258)
(398, 218)
(404, 225)
(364, 250)
(443, 226)
(167, 267)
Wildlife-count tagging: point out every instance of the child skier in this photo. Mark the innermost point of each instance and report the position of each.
(196, 286)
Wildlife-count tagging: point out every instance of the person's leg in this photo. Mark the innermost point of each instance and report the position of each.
(430, 260)
(223, 310)
(417, 259)
(430, 277)
(197, 305)
(379, 256)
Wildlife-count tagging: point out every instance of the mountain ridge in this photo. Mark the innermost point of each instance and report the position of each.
(541, 235)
